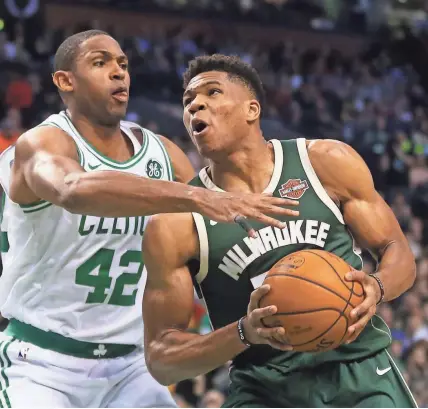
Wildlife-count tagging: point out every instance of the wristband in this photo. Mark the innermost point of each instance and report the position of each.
(381, 287)
(241, 333)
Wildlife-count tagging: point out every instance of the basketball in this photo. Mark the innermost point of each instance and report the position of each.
(313, 299)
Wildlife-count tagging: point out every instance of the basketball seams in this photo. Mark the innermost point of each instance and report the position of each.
(312, 282)
(347, 304)
(350, 299)
(334, 269)
(340, 315)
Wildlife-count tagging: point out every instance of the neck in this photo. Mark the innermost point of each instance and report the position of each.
(248, 169)
(92, 131)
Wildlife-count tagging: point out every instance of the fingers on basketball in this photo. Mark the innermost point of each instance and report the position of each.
(313, 298)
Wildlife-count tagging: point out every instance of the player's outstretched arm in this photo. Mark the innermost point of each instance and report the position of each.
(46, 167)
(173, 354)
(370, 220)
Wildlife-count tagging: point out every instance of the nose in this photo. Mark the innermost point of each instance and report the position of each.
(197, 105)
(117, 73)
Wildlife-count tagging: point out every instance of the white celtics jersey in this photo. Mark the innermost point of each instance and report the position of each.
(79, 276)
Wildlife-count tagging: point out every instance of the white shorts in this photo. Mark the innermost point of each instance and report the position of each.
(35, 377)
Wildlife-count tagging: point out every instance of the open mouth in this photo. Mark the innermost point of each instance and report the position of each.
(120, 94)
(198, 126)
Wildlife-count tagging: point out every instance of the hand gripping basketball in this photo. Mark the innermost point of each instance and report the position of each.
(365, 311)
(255, 331)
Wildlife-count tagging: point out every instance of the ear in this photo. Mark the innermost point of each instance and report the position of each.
(63, 81)
(253, 110)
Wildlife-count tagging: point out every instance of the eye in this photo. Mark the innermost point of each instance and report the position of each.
(99, 63)
(124, 66)
(214, 91)
(187, 101)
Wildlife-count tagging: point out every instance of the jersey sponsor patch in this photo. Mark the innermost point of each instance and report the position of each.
(293, 189)
(154, 169)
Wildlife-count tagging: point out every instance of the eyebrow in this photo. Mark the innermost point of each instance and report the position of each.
(212, 82)
(106, 53)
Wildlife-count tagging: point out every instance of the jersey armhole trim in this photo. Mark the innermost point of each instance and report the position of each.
(79, 151)
(203, 247)
(43, 205)
(35, 206)
(315, 182)
(170, 168)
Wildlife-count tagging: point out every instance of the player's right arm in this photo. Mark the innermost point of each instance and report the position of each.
(46, 167)
(173, 354)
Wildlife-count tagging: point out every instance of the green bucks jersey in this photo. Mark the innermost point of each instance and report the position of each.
(79, 276)
(232, 265)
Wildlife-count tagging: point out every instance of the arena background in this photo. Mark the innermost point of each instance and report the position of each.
(354, 70)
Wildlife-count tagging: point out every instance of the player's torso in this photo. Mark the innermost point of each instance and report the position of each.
(81, 276)
(232, 264)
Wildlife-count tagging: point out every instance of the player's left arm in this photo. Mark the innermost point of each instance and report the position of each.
(348, 181)
(183, 169)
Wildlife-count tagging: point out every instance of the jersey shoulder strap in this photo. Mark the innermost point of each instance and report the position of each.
(152, 145)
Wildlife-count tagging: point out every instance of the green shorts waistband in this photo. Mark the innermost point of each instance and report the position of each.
(64, 345)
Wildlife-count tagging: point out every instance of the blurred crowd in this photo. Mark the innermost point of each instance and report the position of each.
(369, 101)
(349, 16)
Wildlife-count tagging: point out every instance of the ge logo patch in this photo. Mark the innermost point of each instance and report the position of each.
(154, 169)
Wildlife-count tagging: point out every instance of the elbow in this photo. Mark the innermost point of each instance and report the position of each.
(68, 201)
(159, 375)
(156, 367)
(69, 196)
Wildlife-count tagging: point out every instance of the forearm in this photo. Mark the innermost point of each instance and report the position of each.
(397, 269)
(179, 355)
(119, 194)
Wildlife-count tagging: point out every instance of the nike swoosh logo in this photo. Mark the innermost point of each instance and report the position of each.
(213, 223)
(92, 167)
(381, 372)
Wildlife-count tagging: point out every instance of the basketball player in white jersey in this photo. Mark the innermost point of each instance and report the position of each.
(79, 188)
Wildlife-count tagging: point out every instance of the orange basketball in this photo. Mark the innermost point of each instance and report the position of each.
(313, 299)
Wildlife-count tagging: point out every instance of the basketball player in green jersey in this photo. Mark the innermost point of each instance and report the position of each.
(77, 189)
(337, 201)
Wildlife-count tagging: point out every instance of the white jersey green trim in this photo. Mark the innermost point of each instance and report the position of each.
(36, 206)
(104, 159)
(5, 363)
(64, 345)
(171, 175)
(78, 277)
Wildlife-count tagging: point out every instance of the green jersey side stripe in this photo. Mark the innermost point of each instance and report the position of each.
(4, 242)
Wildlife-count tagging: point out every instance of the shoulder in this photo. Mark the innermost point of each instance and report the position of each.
(340, 168)
(45, 138)
(183, 168)
(172, 232)
(321, 149)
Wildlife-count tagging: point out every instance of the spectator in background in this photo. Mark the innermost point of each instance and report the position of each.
(377, 106)
(19, 93)
(10, 128)
(212, 399)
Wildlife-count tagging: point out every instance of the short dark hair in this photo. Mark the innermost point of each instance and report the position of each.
(230, 64)
(66, 54)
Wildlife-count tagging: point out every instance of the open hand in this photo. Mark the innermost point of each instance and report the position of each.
(255, 331)
(365, 311)
(224, 207)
